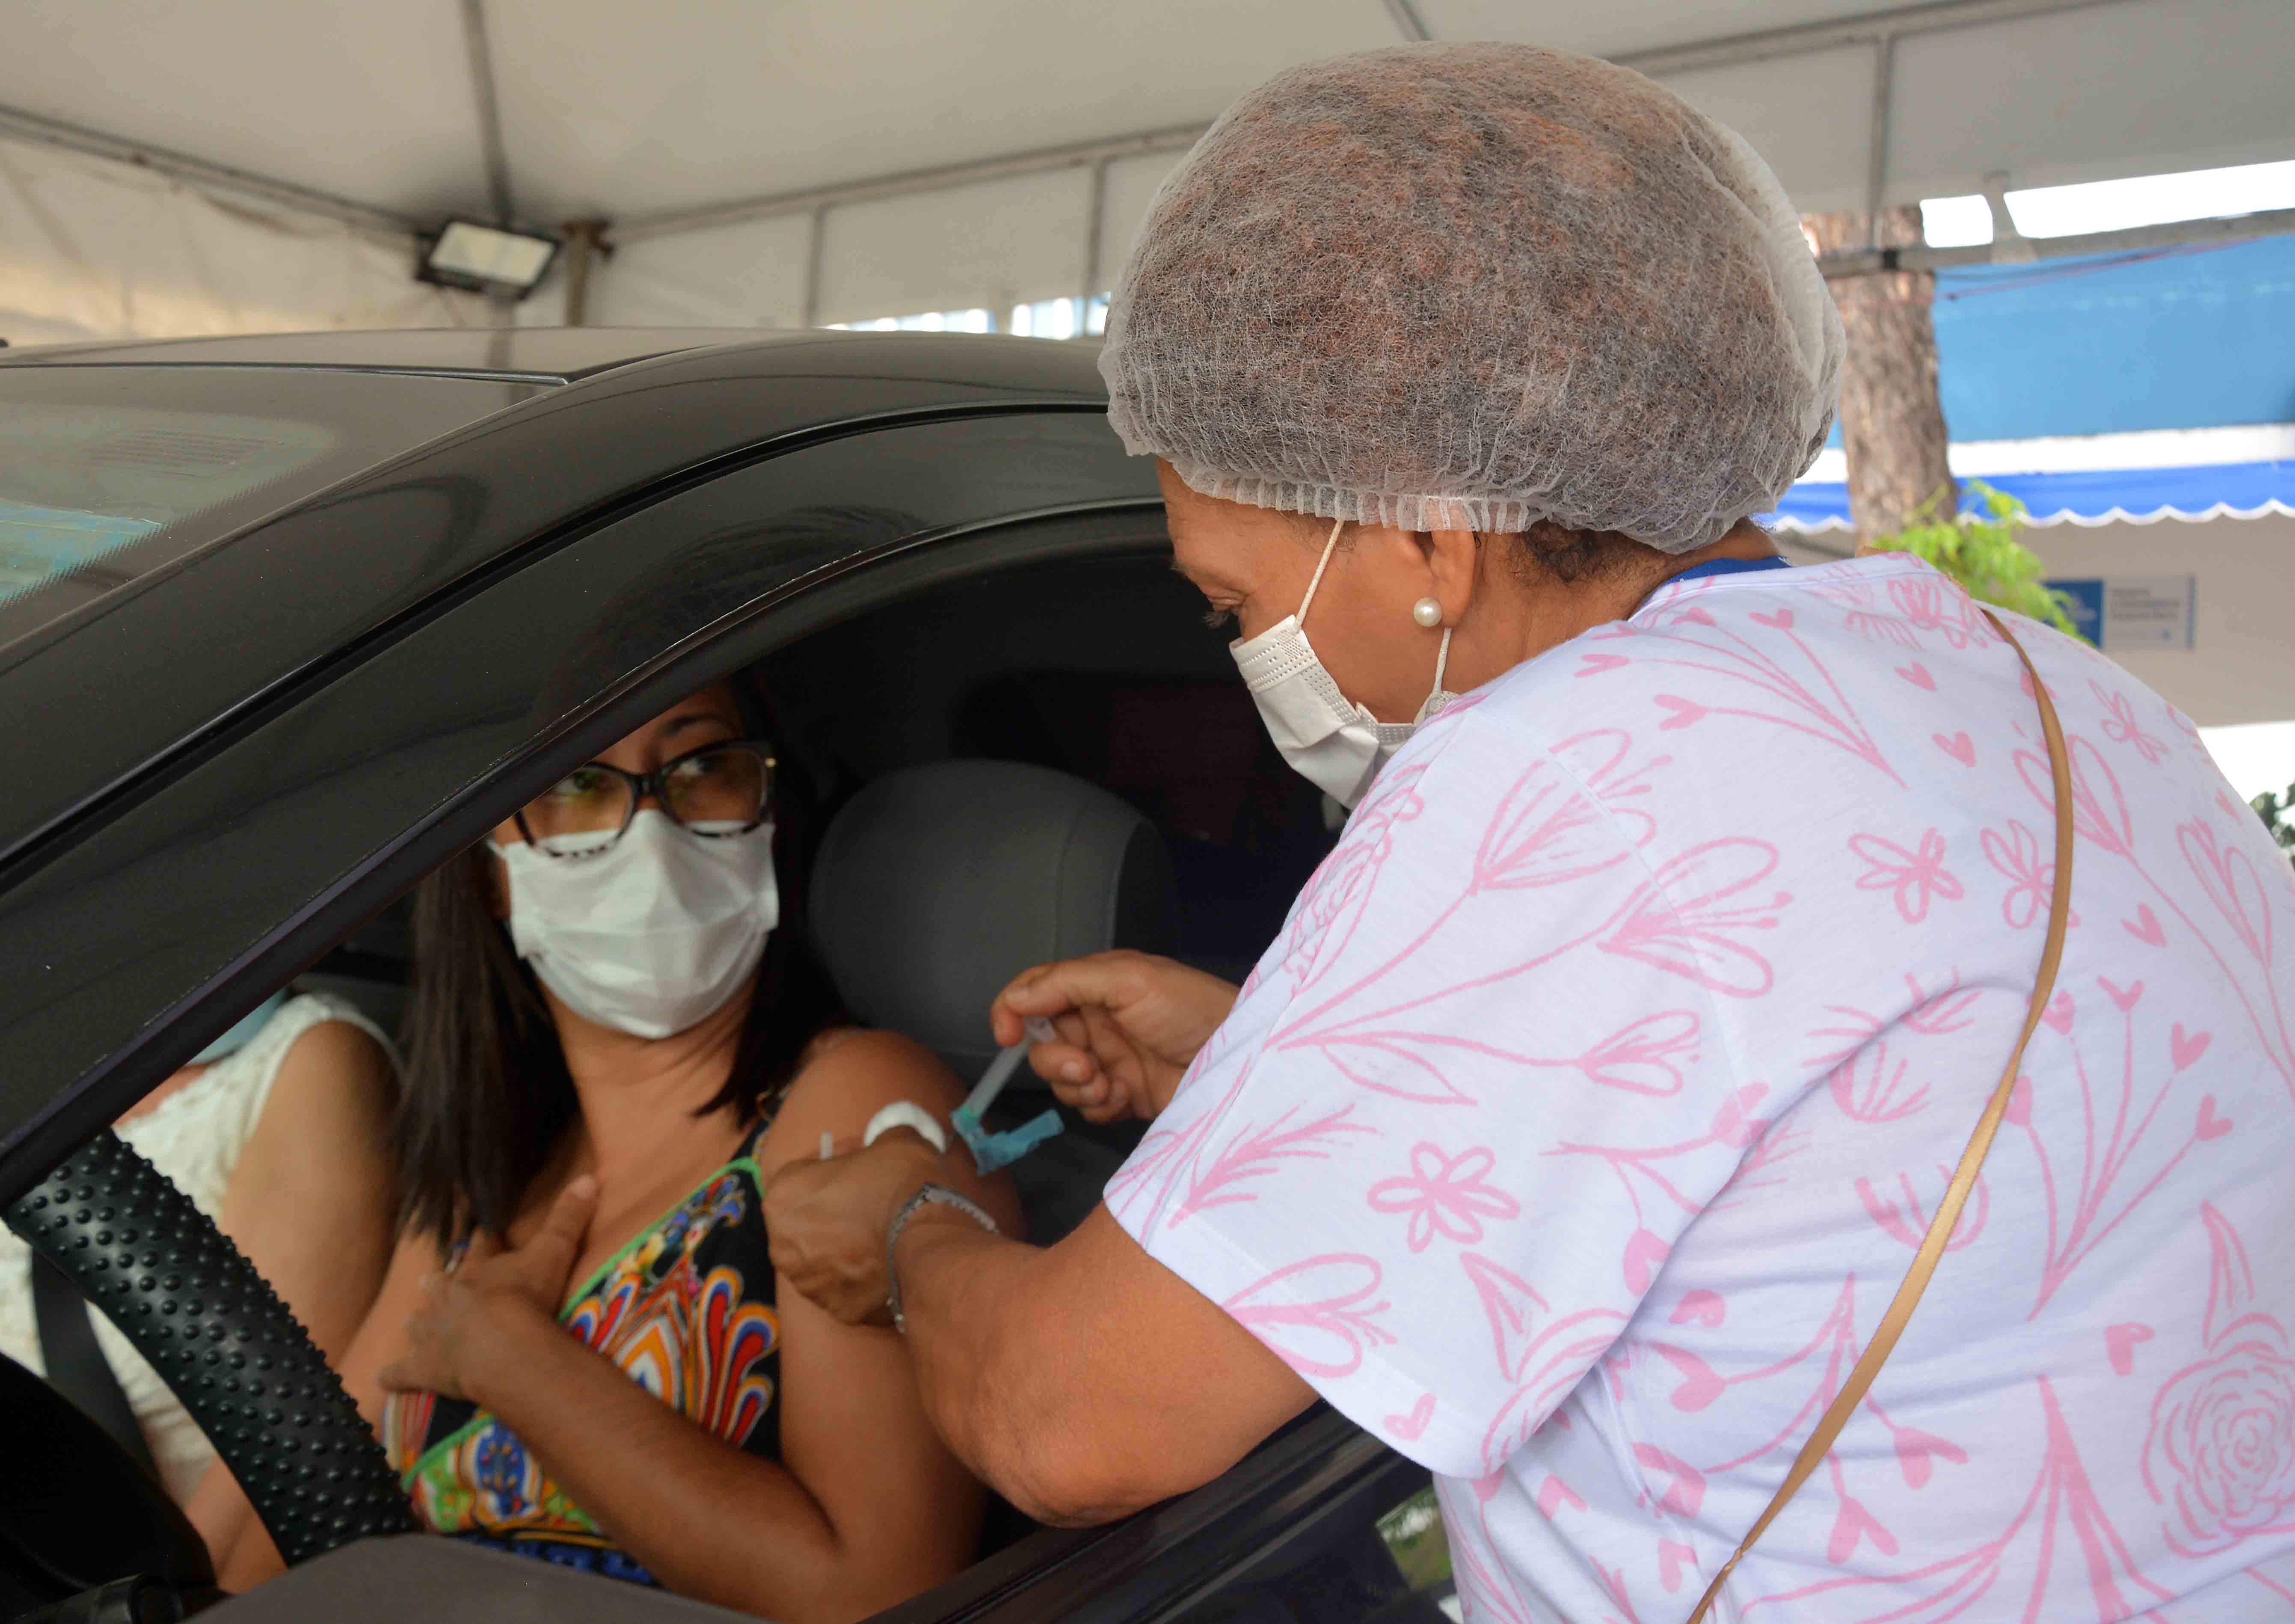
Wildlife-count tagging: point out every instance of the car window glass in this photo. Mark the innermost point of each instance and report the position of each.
(1391, 1567)
(108, 473)
(1416, 1539)
(255, 837)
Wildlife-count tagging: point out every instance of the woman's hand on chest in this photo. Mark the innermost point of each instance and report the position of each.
(475, 1316)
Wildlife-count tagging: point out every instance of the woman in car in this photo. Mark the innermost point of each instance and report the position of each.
(1726, 967)
(277, 1130)
(615, 1039)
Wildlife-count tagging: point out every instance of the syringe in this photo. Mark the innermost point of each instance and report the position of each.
(992, 1151)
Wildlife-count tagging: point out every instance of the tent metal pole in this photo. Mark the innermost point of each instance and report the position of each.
(1095, 232)
(20, 126)
(812, 260)
(2008, 244)
(1409, 22)
(585, 245)
(2180, 234)
(489, 108)
(1876, 152)
(633, 227)
(1802, 39)
(1766, 46)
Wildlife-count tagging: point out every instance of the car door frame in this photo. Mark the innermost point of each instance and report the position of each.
(99, 1007)
(289, 757)
(1318, 1472)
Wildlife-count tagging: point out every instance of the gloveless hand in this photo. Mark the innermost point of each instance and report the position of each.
(1129, 1024)
(473, 1312)
(826, 1221)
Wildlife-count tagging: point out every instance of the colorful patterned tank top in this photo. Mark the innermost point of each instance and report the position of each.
(685, 1309)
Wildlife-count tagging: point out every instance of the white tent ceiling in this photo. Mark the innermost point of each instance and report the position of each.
(624, 111)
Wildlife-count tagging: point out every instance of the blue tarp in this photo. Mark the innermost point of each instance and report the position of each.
(2189, 338)
(2195, 338)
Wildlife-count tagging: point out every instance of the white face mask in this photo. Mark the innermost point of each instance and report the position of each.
(652, 934)
(1337, 746)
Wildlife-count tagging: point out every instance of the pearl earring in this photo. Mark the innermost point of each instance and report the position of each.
(1427, 613)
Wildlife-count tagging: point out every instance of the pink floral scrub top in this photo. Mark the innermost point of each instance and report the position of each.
(1583, 1121)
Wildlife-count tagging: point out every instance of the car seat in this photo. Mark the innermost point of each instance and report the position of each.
(936, 885)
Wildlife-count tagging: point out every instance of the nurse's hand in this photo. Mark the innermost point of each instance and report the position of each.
(1129, 1024)
(826, 1220)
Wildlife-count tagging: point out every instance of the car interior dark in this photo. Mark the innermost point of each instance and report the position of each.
(1017, 743)
(1051, 759)
(1094, 673)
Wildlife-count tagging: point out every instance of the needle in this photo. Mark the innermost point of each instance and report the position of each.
(1007, 1061)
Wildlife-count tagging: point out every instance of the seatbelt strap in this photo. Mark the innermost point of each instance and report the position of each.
(1972, 1160)
(75, 1366)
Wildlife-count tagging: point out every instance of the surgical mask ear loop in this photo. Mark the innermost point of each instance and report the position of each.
(1321, 564)
(1437, 697)
(1441, 652)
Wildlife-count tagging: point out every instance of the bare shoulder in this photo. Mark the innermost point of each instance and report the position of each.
(848, 1082)
(334, 1069)
(845, 1082)
(329, 1108)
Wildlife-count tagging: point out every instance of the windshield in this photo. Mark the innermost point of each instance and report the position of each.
(109, 473)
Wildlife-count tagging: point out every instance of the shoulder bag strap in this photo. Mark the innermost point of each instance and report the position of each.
(1972, 1160)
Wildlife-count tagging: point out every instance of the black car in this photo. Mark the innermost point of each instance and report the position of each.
(285, 623)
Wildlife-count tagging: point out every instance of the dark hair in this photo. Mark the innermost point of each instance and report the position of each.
(487, 1092)
(1546, 550)
(1568, 556)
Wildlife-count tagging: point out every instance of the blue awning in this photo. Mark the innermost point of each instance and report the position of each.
(2090, 496)
(2058, 377)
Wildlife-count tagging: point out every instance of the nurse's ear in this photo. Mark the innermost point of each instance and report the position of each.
(1454, 566)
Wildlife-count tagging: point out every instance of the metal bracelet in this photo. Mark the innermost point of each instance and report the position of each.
(926, 1195)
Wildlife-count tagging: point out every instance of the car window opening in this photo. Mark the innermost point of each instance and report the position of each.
(1102, 677)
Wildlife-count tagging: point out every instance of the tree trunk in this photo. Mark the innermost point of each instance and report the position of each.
(1892, 420)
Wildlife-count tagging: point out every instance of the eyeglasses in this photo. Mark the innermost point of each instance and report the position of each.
(717, 790)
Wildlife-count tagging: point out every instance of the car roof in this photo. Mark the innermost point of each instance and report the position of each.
(151, 669)
(544, 354)
(232, 759)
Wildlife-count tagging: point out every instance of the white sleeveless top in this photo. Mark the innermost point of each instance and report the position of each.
(193, 1135)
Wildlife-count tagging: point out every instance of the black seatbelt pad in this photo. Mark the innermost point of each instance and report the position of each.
(75, 1366)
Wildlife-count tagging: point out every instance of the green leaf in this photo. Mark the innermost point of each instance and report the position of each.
(1981, 550)
(2273, 810)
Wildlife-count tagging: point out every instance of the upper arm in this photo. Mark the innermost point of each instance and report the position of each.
(313, 1198)
(382, 1336)
(849, 1082)
(1080, 1424)
(853, 1428)
(1478, 1092)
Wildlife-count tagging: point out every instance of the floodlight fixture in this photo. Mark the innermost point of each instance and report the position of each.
(485, 258)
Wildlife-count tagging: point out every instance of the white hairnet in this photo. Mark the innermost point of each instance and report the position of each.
(1469, 287)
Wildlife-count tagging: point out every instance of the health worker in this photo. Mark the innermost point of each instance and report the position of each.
(1755, 1062)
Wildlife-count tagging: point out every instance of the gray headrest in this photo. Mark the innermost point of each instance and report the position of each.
(937, 885)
